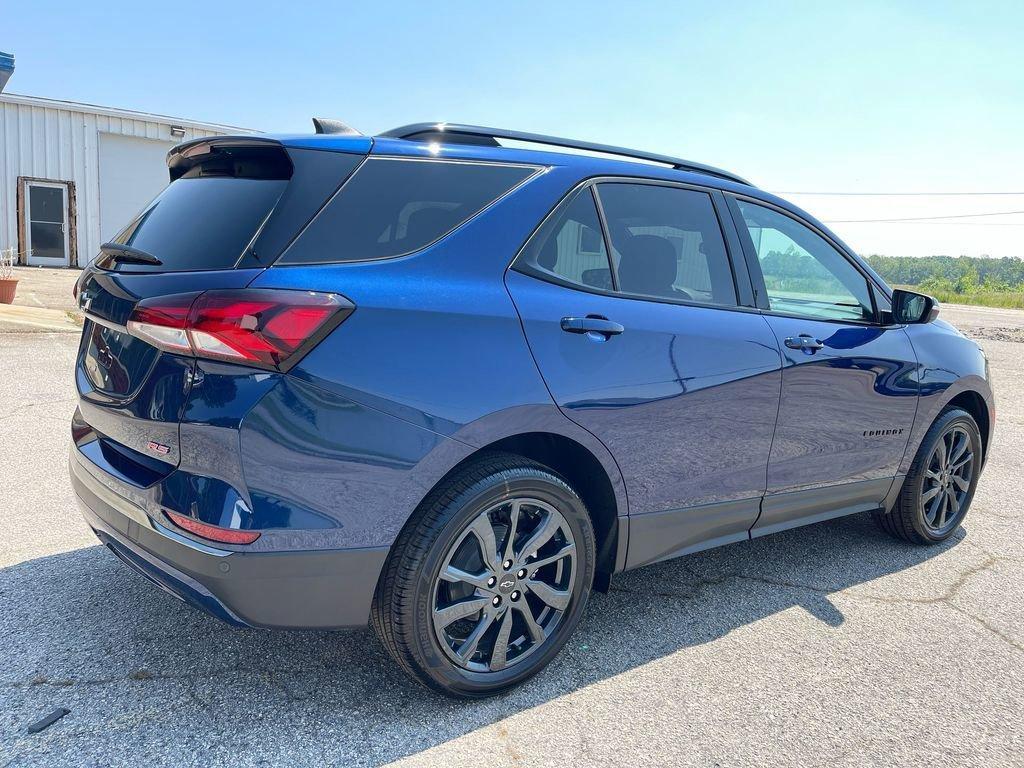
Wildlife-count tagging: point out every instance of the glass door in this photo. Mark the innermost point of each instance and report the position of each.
(46, 217)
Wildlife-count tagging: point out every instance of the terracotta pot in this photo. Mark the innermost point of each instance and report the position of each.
(7, 289)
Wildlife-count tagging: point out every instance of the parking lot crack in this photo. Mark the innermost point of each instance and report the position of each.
(136, 676)
(702, 581)
(36, 404)
(945, 599)
(961, 580)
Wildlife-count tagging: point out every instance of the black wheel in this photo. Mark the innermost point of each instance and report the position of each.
(488, 580)
(938, 489)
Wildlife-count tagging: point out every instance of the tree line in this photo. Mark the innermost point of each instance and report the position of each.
(954, 274)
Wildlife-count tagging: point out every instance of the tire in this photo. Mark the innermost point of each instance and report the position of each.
(918, 516)
(448, 532)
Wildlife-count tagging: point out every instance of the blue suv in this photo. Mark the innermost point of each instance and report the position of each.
(448, 387)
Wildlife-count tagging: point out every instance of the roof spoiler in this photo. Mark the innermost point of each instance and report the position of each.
(327, 125)
(190, 153)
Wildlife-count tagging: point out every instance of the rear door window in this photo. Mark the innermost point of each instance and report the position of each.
(570, 246)
(391, 207)
(667, 243)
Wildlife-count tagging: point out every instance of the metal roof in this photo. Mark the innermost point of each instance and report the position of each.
(94, 109)
(6, 68)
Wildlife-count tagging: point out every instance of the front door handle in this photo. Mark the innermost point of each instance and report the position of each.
(805, 342)
(592, 324)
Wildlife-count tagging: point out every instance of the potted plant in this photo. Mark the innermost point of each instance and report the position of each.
(8, 282)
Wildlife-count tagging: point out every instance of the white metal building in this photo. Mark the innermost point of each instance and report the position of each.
(72, 175)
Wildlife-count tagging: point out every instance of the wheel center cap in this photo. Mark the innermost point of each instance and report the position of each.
(506, 584)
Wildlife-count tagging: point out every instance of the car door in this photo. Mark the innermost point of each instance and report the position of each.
(633, 319)
(849, 390)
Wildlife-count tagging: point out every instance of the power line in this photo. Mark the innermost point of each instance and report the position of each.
(941, 223)
(924, 218)
(898, 194)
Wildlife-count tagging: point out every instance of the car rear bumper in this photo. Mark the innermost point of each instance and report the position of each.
(313, 589)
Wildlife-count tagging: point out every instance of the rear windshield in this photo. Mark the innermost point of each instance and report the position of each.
(391, 207)
(201, 223)
(207, 217)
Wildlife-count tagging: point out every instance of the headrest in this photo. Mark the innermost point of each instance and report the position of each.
(648, 265)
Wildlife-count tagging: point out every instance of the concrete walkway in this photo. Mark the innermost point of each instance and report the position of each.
(43, 303)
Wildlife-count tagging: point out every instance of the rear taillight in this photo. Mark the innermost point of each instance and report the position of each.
(212, 532)
(263, 327)
(163, 321)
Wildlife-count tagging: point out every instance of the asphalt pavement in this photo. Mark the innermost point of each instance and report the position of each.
(827, 645)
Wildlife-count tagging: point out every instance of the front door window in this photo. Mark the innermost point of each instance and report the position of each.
(803, 274)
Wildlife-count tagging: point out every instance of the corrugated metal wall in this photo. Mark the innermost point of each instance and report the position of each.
(62, 144)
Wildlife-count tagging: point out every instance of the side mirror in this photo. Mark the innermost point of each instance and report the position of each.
(909, 307)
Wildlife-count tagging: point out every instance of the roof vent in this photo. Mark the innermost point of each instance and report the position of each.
(326, 125)
(6, 68)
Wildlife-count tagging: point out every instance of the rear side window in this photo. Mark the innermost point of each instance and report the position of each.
(392, 207)
(570, 245)
(666, 243)
(207, 218)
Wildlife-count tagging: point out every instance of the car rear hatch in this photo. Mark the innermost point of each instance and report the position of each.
(233, 205)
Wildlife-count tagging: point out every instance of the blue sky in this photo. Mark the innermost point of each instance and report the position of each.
(817, 96)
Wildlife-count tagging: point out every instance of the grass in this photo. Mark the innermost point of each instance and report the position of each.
(981, 298)
(1005, 299)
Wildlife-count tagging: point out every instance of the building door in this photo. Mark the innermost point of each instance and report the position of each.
(46, 224)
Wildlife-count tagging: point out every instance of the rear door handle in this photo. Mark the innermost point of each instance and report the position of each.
(804, 341)
(595, 324)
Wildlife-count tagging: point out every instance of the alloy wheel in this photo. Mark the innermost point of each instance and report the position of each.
(947, 479)
(504, 585)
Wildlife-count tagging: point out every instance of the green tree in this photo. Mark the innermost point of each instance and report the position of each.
(968, 272)
(967, 281)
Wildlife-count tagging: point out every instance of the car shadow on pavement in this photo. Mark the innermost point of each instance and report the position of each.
(82, 631)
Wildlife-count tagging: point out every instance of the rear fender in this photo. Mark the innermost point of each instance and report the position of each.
(545, 418)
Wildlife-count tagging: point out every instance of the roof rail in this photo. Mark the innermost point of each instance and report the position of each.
(453, 133)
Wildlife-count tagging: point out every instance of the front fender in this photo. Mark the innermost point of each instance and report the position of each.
(948, 365)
